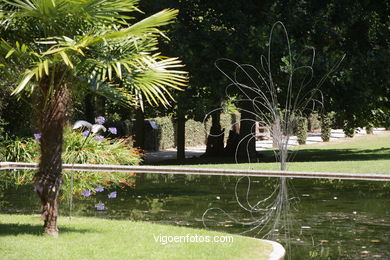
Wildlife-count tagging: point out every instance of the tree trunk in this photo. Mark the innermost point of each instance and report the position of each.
(247, 146)
(89, 108)
(181, 141)
(234, 136)
(139, 129)
(53, 108)
(215, 140)
(100, 106)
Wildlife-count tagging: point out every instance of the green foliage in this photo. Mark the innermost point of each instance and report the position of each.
(302, 130)
(349, 130)
(196, 132)
(10, 109)
(90, 43)
(387, 121)
(314, 122)
(165, 135)
(20, 149)
(77, 149)
(326, 127)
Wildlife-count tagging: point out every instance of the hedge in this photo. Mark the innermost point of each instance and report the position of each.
(196, 132)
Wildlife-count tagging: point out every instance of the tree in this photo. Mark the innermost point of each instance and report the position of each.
(205, 32)
(61, 46)
(358, 92)
(209, 30)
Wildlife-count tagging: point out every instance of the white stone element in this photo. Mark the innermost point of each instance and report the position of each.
(278, 251)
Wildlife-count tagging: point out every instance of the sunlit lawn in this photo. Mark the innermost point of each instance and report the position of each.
(92, 238)
(362, 154)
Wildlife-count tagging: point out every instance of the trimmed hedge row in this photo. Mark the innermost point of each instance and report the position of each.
(196, 132)
(165, 134)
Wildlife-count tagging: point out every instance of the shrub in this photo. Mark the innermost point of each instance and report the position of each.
(77, 149)
(20, 149)
(370, 129)
(302, 130)
(349, 130)
(313, 122)
(326, 127)
(196, 132)
(165, 134)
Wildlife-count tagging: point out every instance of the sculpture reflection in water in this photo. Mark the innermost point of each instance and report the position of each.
(282, 90)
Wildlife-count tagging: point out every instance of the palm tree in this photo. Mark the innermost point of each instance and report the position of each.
(49, 48)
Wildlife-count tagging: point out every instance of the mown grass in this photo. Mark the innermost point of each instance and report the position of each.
(362, 154)
(91, 238)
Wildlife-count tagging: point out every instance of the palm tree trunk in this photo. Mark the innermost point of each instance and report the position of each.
(49, 176)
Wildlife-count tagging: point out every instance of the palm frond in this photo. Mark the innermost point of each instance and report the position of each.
(92, 41)
(157, 78)
(111, 11)
(146, 26)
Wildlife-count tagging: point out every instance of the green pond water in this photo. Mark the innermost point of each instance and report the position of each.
(330, 219)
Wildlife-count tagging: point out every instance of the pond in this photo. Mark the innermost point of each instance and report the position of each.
(331, 219)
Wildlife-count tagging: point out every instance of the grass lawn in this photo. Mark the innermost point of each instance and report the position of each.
(92, 238)
(361, 154)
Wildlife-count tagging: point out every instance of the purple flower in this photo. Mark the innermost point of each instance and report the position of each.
(99, 189)
(86, 133)
(100, 120)
(112, 195)
(112, 130)
(37, 136)
(86, 193)
(99, 137)
(100, 206)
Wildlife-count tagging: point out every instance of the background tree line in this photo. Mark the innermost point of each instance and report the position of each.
(358, 93)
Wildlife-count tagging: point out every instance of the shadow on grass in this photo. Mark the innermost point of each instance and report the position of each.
(28, 229)
(304, 155)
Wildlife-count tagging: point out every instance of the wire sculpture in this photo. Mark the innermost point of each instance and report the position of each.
(275, 105)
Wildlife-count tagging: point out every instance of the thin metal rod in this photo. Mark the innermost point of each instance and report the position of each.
(201, 171)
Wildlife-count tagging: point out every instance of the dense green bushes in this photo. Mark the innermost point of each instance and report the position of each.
(326, 127)
(349, 130)
(165, 134)
(196, 132)
(314, 122)
(77, 149)
(302, 130)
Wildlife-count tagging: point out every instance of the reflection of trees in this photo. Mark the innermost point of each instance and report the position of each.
(3, 187)
(16, 198)
(181, 201)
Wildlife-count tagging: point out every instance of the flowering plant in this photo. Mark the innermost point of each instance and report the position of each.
(79, 148)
